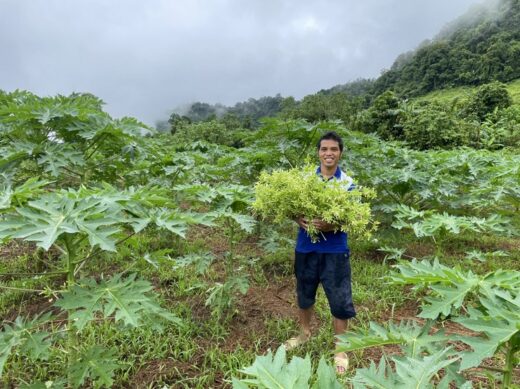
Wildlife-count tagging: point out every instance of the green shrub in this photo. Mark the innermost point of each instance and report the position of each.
(212, 132)
(436, 125)
(501, 128)
(488, 98)
(383, 117)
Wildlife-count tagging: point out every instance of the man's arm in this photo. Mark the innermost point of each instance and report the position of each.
(302, 222)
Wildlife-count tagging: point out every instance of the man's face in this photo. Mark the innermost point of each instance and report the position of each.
(329, 153)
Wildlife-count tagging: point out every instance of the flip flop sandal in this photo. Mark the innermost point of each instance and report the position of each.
(294, 342)
(341, 363)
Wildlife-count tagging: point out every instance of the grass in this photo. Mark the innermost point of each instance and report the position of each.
(452, 95)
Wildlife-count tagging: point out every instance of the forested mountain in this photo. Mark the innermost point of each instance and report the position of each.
(479, 47)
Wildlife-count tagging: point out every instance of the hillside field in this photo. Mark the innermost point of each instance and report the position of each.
(131, 259)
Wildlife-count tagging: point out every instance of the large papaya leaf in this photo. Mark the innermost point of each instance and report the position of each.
(226, 197)
(96, 364)
(326, 377)
(148, 196)
(11, 158)
(51, 109)
(198, 191)
(379, 376)
(44, 220)
(57, 157)
(499, 324)
(200, 261)
(451, 285)
(236, 198)
(447, 299)
(97, 214)
(431, 224)
(273, 372)
(25, 335)
(18, 195)
(416, 373)
(93, 125)
(162, 218)
(100, 124)
(245, 222)
(130, 300)
(413, 337)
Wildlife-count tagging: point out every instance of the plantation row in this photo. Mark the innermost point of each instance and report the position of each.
(80, 191)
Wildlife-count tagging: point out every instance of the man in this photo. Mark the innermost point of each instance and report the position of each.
(326, 261)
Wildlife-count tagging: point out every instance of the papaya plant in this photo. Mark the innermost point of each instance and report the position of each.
(79, 224)
(62, 143)
(69, 138)
(490, 302)
(229, 206)
(424, 355)
(439, 226)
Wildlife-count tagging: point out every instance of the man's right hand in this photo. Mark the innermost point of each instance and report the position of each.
(302, 222)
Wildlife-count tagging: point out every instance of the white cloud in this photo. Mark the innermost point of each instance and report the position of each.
(144, 58)
(307, 24)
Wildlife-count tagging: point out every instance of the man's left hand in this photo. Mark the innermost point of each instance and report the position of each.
(323, 225)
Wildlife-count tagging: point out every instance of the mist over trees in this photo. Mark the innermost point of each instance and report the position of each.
(243, 114)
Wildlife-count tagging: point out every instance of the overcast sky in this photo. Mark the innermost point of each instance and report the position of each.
(146, 58)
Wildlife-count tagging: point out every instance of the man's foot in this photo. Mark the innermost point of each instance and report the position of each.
(296, 341)
(341, 363)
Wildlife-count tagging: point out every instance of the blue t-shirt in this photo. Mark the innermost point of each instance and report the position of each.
(329, 242)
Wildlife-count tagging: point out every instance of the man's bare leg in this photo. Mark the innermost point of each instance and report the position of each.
(340, 326)
(341, 359)
(304, 316)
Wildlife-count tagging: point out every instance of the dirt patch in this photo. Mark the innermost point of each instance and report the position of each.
(30, 308)
(160, 370)
(510, 245)
(407, 311)
(212, 238)
(496, 243)
(219, 244)
(199, 311)
(374, 354)
(259, 304)
(374, 255)
(276, 300)
(14, 248)
(420, 249)
(176, 374)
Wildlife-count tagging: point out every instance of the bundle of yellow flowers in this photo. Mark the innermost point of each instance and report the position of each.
(295, 193)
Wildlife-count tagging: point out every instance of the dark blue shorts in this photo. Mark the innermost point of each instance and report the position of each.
(333, 271)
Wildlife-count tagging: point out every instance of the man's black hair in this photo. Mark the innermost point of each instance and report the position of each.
(331, 135)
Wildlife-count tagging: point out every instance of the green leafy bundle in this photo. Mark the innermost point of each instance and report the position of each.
(302, 193)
